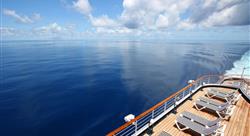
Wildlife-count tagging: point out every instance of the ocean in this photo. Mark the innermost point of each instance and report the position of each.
(85, 88)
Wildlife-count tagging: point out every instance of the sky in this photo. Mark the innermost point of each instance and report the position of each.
(125, 19)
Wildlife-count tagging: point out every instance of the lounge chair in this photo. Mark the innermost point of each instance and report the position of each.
(224, 110)
(230, 96)
(196, 123)
(201, 120)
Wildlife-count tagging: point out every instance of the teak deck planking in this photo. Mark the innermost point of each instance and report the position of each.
(238, 124)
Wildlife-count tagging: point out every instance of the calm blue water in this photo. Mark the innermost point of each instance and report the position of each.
(76, 88)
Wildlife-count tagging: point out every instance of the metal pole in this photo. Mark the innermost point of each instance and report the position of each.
(135, 126)
(153, 114)
(242, 78)
(165, 106)
(243, 72)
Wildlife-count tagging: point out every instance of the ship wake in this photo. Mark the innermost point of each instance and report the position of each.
(238, 66)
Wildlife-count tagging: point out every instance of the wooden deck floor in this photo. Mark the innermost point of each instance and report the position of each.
(238, 125)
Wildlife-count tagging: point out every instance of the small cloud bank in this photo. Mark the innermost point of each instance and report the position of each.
(22, 18)
(56, 31)
(7, 31)
(47, 32)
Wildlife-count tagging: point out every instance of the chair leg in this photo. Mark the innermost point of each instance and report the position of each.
(219, 114)
(199, 109)
(209, 96)
(227, 99)
(181, 129)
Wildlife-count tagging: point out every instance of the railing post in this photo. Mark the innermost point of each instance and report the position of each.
(191, 89)
(135, 123)
(174, 110)
(208, 80)
(165, 106)
(175, 99)
(150, 128)
(190, 92)
(153, 114)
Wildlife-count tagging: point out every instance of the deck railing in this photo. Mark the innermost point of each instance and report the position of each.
(149, 117)
(243, 83)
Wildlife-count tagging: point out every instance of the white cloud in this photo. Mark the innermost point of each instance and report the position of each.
(151, 14)
(56, 31)
(83, 7)
(221, 4)
(144, 17)
(166, 21)
(22, 18)
(103, 21)
(186, 25)
(162, 21)
(13, 33)
(47, 32)
(137, 14)
(203, 10)
(7, 31)
(116, 30)
(184, 14)
(235, 15)
(51, 28)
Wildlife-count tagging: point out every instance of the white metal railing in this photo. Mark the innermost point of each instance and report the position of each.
(149, 117)
(244, 87)
(242, 82)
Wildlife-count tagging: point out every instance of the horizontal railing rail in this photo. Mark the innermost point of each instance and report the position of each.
(143, 121)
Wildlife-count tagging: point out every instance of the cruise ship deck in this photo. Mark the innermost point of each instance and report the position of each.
(237, 125)
(160, 119)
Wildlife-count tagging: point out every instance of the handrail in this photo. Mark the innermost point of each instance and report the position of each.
(146, 112)
(155, 106)
(174, 95)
